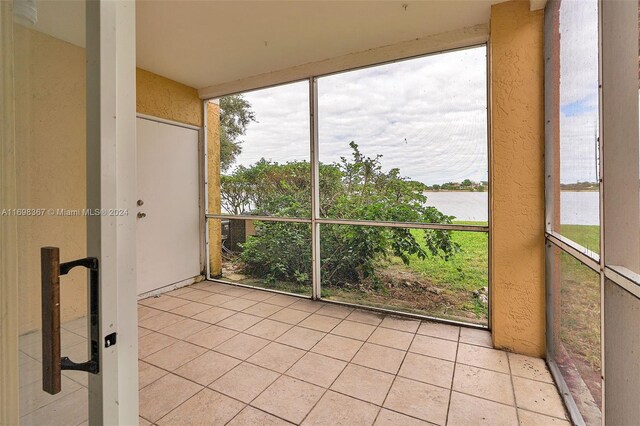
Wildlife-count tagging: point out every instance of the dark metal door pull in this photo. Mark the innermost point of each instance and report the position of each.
(52, 362)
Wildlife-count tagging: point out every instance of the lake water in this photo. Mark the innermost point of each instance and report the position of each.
(577, 207)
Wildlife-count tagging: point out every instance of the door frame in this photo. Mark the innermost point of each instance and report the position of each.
(111, 175)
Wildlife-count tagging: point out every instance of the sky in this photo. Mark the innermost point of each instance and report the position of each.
(425, 116)
(578, 90)
(428, 116)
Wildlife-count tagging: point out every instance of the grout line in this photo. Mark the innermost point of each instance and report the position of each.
(396, 375)
(453, 377)
(513, 390)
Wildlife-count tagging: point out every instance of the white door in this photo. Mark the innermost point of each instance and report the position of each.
(168, 218)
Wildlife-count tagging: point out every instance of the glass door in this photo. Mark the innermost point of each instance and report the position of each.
(59, 74)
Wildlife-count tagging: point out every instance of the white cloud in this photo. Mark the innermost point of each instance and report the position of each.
(426, 116)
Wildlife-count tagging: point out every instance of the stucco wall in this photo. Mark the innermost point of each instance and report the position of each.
(213, 169)
(160, 97)
(51, 157)
(517, 178)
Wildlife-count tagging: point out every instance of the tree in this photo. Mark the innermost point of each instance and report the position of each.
(353, 188)
(235, 116)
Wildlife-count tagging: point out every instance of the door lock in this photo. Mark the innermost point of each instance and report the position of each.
(141, 215)
(140, 202)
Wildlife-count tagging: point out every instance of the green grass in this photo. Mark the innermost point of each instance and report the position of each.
(588, 236)
(467, 270)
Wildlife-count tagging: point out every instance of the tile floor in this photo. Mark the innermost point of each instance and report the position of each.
(217, 354)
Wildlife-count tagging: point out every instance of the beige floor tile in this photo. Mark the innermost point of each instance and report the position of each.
(211, 287)
(276, 356)
(148, 374)
(427, 369)
(145, 312)
(152, 300)
(190, 309)
(529, 368)
(206, 407)
(466, 410)
(143, 332)
(160, 321)
(391, 418)
(335, 311)
(175, 355)
(483, 383)
(320, 322)
(482, 357)
(245, 382)
(185, 328)
(441, 331)
(152, 343)
(236, 291)
(437, 348)
(283, 300)
(207, 368)
(165, 394)
(141, 422)
(290, 316)
(289, 398)
(268, 329)
(32, 397)
(253, 417)
(306, 305)
(262, 309)
(475, 337)
(363, 383)
(527, 418)
(335, 409)
(354, 330)
(242, 346)
(180, 291)
(367, 317)
(337, 347)
(258, 295)
(379, 357)
(167, 303)
(196, 295)
(238, 304)
(214, 315)
(539, 397)
(400, 324)
(211, 337)
(239, 321)
(419, 400)
(317, 369)
(30, 371)
(216, 299)
(391, 338)
(70, 409)
(302, 338)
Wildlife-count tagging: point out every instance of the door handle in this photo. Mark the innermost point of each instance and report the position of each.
(52, 362)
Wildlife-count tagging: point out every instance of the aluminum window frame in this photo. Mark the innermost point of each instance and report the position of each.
(316, 220)
(608, 117)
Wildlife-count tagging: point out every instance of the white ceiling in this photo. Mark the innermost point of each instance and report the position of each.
(204, 43)
(207, 43)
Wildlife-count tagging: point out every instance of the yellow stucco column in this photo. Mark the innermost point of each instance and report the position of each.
(213, 170)
(517, 178)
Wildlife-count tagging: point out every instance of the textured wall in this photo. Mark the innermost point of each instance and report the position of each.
(213, 168)
(168, 99)
(50, 140)
(517, 178)
(51, 157)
